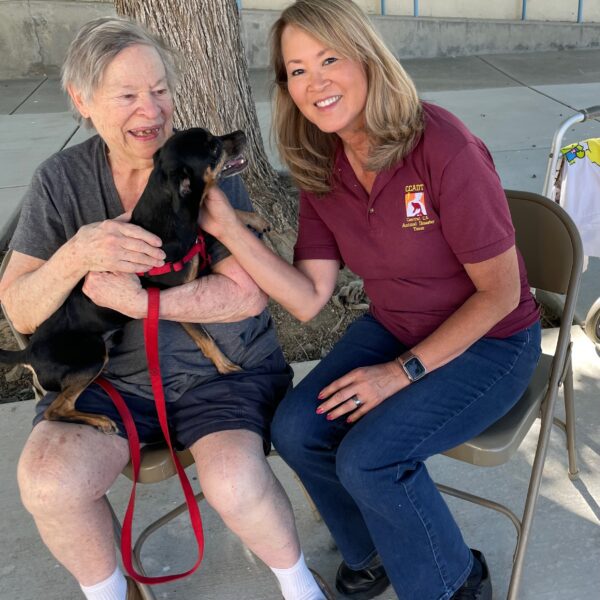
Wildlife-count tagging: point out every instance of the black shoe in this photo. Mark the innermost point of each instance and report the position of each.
(478, 585)
(362, 584)
(322, 585)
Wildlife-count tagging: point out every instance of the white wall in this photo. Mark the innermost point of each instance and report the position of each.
(537, 10)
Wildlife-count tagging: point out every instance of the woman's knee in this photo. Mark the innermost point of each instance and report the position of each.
(286, 436)
(290, 428)
(234, 486)
(233, 471)
(362, 464)
(54, 477)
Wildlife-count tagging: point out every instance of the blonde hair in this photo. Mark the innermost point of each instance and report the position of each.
(95, 46)
(393, 113)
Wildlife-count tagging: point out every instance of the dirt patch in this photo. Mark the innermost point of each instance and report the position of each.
(15, 383)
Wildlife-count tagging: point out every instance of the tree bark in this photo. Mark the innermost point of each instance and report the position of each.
(214, 90)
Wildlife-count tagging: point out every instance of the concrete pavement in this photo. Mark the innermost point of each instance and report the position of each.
(514, 103)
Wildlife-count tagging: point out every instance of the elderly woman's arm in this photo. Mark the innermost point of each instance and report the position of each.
(227, 295)
(32, 289)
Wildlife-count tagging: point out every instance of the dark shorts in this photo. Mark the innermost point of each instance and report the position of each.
(243, 400)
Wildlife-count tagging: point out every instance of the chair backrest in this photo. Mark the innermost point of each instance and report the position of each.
(551, 246)
(19, 337)
(548, 240)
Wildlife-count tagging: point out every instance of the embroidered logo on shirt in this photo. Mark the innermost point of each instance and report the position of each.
(416, 208)
(415, 204)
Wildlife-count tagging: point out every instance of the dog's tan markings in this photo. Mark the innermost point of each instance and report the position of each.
(62, 407)
(192, 269)
(254, 220)
(209, 348)
(211, 177)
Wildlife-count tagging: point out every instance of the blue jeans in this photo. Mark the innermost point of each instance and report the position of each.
(369, 480)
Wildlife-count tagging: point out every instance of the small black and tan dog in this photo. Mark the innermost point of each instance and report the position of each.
(68, 350)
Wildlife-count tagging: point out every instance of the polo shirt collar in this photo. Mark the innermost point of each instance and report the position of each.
(343, 172)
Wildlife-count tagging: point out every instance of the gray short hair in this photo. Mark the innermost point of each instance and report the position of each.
(96, 45)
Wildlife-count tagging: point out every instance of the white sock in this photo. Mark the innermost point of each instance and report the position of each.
(113, 588)
(298, 583)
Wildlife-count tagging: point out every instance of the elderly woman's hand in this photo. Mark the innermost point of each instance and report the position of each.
(217, 216)
(120, 291)
(361, 390)
(115, 245)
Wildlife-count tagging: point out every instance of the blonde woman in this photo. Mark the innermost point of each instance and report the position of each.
(401, 192)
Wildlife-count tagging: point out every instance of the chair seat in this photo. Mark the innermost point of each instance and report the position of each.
(156, 464)
(499, 442)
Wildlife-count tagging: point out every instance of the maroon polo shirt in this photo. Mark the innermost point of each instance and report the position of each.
(440, 207)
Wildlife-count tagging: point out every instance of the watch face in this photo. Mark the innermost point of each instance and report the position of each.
(414, 368)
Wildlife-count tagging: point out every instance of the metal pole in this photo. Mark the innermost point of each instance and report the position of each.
(580, 12)
(416, 8)
(239, 3)
(524, 11)
(382, 10)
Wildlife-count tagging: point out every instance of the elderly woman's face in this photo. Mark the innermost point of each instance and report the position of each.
(329, 89)
(132, 108)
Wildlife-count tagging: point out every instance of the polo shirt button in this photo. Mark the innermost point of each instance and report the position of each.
(371, 211)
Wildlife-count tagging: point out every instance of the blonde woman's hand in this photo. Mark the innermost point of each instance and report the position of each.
(217, 216)
(361, 390)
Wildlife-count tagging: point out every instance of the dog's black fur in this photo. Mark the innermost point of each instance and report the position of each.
(68, 351)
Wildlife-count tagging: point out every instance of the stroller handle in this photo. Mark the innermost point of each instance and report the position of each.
(585, 114)
(592, 112)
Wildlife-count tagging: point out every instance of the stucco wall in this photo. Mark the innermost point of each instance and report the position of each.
(34, 34)
(543, 10)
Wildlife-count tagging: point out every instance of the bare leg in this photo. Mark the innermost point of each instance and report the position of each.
(238, 482)
(64, 472)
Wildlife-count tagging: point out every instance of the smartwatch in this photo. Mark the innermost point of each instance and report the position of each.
(412, 366)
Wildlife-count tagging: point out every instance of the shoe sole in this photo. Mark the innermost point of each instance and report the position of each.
(373, 592)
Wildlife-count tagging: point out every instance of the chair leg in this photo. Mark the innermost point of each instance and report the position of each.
(148, 531)
(532, 495)
(570, 421)
(145, 590)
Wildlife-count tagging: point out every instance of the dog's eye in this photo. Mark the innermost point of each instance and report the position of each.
(214, 149)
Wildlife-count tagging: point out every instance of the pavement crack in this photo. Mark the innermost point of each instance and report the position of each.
(33, 91)
(525, 85)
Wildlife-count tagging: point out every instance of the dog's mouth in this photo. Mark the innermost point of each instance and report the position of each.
(233, 166)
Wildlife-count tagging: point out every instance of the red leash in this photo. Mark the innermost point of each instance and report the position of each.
(151, 337)
(199, 247)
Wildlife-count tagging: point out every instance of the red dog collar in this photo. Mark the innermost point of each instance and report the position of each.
(199, 248)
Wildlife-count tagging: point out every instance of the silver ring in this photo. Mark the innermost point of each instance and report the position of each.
(356, 400)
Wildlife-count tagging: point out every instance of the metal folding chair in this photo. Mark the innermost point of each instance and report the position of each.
(551, 247)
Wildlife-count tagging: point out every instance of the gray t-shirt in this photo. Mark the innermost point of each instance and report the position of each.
(75, 187)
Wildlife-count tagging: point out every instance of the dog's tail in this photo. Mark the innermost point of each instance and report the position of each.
(9, 358)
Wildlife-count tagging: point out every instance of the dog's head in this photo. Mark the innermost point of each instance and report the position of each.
(191, 161)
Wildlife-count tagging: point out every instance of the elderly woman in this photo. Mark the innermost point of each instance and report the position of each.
(408, 198)
(73, 224)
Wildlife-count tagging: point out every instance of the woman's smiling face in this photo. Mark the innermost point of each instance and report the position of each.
(132, 108)
(329, 89)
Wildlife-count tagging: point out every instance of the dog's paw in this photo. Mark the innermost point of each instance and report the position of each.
(107, 426)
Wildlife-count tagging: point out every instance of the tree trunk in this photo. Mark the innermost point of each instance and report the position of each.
(215, 92)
